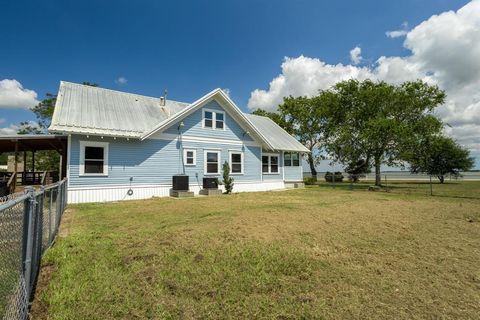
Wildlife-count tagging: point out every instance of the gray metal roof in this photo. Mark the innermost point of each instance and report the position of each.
(276, 136)
(84, 109)
(99, 111)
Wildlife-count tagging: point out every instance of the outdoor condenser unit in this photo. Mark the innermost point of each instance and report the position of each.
(210, 183)
(180, 182)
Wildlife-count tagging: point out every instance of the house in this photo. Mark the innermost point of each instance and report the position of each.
(127, 146)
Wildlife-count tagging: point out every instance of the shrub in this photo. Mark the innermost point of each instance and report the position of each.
(227, 180)
(309, 181)
(329, 176)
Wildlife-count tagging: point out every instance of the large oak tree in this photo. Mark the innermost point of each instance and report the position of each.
(378, 121)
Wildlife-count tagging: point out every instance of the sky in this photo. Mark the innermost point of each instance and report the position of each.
(259, 51)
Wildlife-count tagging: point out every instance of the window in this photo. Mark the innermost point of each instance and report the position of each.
(93, 158)
(212, 162)
(270, 164)
(236, 162)
(189, 157)
(208, 119)
(214, 119)
(291, 159)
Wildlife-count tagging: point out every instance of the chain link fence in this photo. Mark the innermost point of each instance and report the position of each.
(28, 225)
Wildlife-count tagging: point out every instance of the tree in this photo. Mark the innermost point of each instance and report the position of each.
(227, 179)
(304, 118)
(439, 156)
(377, 121)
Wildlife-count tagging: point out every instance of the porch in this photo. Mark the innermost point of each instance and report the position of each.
(22, 170)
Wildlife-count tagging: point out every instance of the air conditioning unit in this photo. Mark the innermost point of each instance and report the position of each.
(210, 183)
(180, 182)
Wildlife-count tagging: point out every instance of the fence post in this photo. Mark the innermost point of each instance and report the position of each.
(431, 187)
(29, 207)
(50, 217)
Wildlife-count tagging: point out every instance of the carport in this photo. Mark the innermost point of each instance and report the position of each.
(21, 144)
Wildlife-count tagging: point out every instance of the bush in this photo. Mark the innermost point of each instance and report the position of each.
(355, 177)
(227, 180)
(309, 181)
(329, 177)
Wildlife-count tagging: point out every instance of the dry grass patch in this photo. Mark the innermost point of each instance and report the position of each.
(313, 253)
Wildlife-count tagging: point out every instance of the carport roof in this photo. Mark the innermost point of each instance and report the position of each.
(30, 142)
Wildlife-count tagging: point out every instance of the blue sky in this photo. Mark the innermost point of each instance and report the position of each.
(191, 47)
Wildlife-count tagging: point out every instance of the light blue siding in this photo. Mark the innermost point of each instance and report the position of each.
(154, 161)
(193, 126)
(293, 174)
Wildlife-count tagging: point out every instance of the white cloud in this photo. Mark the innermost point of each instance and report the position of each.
(356, 55)
(444, 50)
(13, 95)
(121, 81)
(398, 33)
(13, 128)
(226, 91)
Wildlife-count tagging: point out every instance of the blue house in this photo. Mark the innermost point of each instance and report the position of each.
(126, 146)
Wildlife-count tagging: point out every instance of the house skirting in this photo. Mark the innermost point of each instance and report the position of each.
(121, 192)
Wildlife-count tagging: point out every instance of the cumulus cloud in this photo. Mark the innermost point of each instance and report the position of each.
(14, 128)
(226, 91)
(14, 95)
(444, 50)
(356, 55)
(121, 81)
(398, 33)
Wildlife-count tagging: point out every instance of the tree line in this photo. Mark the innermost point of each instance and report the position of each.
(366, 124)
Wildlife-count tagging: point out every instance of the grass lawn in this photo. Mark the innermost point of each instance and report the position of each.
(316, 253)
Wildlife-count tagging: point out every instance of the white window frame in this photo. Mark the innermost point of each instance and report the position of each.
(219, 157)
(230, 152)
(214, 119)
(291, 153)
(270, 155)
(185, 163)
(97, 144)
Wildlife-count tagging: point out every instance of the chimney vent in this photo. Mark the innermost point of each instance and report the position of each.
(162, 101)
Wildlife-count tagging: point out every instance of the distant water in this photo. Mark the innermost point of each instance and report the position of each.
(405, 175)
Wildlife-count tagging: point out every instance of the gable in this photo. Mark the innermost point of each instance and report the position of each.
(193, 125)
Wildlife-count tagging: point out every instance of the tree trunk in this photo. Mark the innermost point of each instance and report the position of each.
(312, 166)
(378, 177)
(441, 178)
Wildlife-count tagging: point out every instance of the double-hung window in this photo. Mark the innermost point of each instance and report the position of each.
(189, 157)
(93, 158)
(270, 164)
(214, 119)
(236, 162)
(212, 162)
(291, 159)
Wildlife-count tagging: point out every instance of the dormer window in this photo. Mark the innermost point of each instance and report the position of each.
(213, 119)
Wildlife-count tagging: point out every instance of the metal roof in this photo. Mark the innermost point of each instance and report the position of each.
(92, 110)
(84, 109)
(276, 135)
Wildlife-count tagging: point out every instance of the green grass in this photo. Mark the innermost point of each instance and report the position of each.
(317, 253)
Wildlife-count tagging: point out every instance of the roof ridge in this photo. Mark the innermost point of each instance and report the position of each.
(118, 91)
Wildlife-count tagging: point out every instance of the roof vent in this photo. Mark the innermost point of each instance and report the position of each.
(163, 100)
